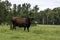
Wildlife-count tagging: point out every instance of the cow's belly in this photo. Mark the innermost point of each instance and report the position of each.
(21, 25)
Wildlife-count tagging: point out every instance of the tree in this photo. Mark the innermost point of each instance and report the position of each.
(47, 11)
(35, 9)
(43, 15)
(19, 10)
(57, 14)
(25, 10)
(2, 8)
(7, 10)
(14, 10)
(35, 12)
(28, 9)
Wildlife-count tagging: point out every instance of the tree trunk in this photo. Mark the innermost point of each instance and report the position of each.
(53, 22)
(47, 19)
(43, 21)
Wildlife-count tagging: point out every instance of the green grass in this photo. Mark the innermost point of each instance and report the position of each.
(39, 32)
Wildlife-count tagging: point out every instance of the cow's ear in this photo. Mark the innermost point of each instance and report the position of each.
(32, 18)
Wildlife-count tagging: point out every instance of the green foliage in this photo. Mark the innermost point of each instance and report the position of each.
(47, 16)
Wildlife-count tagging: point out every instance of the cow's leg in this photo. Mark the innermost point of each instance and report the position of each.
(14, 27)
(24, 28)
(28, 29)
(11, 25)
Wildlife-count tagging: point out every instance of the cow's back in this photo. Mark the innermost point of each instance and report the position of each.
(20, 20)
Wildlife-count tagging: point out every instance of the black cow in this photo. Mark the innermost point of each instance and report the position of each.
(21, 22)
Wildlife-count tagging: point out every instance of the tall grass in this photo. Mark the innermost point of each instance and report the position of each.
(39, 32)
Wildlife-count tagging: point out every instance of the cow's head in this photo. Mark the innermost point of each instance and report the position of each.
(30, 19)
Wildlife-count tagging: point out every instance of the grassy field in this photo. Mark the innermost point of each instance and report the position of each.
(39, 32)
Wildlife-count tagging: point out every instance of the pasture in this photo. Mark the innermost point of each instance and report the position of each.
(39, 32)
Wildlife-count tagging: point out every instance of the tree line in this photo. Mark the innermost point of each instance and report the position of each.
(47, 16)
